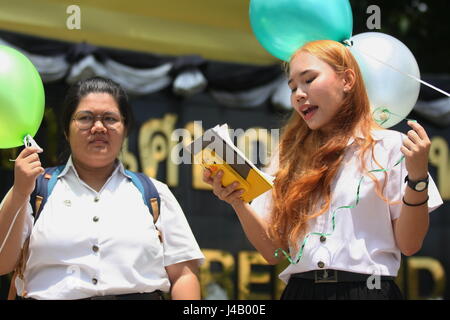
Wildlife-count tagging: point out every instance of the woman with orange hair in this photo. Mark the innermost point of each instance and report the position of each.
(349, 196)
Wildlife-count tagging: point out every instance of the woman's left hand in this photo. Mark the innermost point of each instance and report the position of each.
(416, 148)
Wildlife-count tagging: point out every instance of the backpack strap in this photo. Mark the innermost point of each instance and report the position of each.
(45, 184)
(150, 194)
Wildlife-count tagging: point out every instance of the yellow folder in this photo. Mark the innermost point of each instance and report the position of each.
(221, 155)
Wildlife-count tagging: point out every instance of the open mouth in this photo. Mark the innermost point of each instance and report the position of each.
(309, 110)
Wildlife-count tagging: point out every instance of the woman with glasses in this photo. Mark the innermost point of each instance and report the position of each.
(95, 237)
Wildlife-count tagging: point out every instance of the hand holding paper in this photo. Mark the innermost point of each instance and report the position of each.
(216, 152)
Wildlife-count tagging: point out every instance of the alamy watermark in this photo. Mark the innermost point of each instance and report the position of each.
(374, 280)
(257, 144)
(73, 21)
(374, 21)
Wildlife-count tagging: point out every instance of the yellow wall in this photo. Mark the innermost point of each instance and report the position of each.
(215, 29)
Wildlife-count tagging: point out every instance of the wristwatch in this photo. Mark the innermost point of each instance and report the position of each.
(419, 185)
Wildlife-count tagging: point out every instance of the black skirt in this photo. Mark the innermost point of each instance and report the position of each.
(305, 289)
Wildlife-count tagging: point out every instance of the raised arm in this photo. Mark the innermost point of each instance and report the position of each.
(411, 227)
(12, 212)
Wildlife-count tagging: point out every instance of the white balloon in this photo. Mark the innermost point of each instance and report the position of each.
(385, 62)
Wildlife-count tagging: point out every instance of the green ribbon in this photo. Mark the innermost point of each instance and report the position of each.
(333, 217)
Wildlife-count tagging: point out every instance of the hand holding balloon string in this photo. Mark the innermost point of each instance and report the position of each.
(29, 142)
(22, 104)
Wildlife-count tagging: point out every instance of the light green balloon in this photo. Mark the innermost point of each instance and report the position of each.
(22, 98)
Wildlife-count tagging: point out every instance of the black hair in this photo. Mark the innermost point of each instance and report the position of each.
(82, 88)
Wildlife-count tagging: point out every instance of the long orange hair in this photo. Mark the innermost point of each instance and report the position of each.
(309, 161)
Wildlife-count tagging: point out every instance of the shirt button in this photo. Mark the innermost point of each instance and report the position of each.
(96, 199)
(96, 219)
(323, 238)
(94, 281)
(320, 264)
(95, 248)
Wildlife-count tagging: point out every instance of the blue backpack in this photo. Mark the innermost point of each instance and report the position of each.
(47, 181)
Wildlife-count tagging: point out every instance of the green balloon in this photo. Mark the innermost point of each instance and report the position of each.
(22, 98)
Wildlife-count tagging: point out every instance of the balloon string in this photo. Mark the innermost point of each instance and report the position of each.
(333, 216)
(350, 43)
(333, 219)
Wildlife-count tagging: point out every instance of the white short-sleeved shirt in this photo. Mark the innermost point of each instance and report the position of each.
(87, 243)
(363, 240)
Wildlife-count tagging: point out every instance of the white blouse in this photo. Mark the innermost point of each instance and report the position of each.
(87, 243)
(363, 240)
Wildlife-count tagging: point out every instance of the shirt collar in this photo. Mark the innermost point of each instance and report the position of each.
(69, 166)
(376, 135)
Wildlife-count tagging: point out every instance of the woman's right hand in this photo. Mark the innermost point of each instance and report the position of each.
(26, 169)
(230, 194)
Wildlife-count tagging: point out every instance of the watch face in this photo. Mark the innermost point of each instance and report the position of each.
(421, 186)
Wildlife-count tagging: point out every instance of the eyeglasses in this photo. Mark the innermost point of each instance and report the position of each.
(85, 120)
